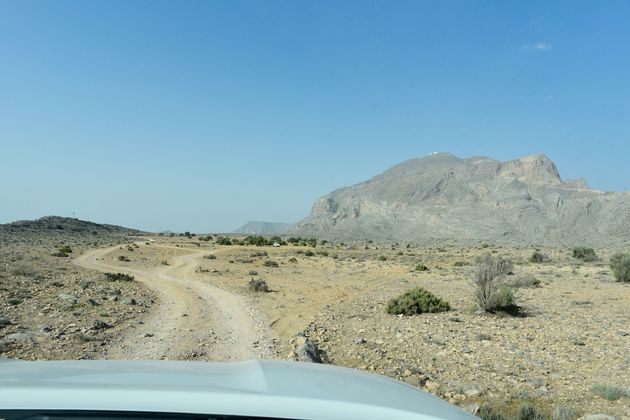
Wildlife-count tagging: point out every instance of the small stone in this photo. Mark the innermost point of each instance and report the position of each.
(472, 408)
(431, 386)
(68, 297)
(473, 392)
(360, 340)
(100, 325)
(92, 302)
(599, 416)
(128, 301)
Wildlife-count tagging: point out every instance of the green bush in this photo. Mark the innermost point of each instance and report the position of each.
(620, 266)
(609, 392)
(221, 240)
(584, 254)
(63, 252)
(503, 298)
(421, 267)
(118, 277)
(416, 301)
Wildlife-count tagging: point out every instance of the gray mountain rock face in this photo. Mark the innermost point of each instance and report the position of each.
(443, 196)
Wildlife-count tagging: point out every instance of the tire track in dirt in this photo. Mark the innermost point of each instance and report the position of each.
(191, 320)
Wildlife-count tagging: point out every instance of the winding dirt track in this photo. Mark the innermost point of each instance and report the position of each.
(191, 320)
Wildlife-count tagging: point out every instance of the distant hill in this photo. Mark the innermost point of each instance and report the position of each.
(63, 224)
(444, 196)
(263, 228)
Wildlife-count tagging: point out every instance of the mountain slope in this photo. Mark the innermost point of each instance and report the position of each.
(443, 196)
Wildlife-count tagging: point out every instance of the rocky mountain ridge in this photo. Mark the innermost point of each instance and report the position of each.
(441, 196)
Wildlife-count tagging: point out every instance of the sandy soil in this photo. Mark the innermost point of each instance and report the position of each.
(193, 320)
(573, 332)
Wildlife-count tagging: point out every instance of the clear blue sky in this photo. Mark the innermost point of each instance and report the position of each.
(201, 115)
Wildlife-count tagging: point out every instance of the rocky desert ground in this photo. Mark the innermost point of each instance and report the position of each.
(564, 354)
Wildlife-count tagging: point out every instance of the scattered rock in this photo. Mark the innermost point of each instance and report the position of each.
(599, 416)
(100, 325)
(68, 297)
(473, 392)
(309, 352)
(5, 322)
(91, 302)
(472, 408)
(128, 301)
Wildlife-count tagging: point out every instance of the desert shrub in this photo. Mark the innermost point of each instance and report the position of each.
(461, 264)
(382, 258)
(210, 257)
(23, 270)
(584, 254)
(503, 298)
(416, 301)
(620, 266)
(221, 240)
(526, 280)
(609, 392)
(65, 249)
(205, 238)
(538, 257)
(277, 240)
(253, 272)
(164, 262)
(293, 260)
(522, 409)
(309, 253)
(488, 278)
(118, 277)
(63, 252)
(123, 258)
(270, 263)
(256, 240)
(258, 285)
(421, 267)
(322, 253)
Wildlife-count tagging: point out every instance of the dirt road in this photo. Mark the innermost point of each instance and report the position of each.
(192, 320)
